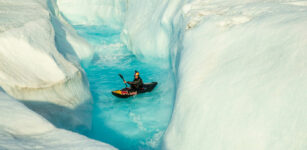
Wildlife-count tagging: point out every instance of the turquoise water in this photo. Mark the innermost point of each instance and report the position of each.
(138, 122)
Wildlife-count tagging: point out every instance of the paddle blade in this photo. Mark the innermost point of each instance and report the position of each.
(121, 76)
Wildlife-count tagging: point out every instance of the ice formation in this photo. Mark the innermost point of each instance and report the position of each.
(240, 65)
(22, 129)
(93, 12)
(33, 43)
(242, 77)
(39, 65)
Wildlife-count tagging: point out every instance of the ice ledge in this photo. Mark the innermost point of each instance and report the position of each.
(39, 63)
(22, 129)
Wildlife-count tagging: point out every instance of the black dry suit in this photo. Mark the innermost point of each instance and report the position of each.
(136, 84)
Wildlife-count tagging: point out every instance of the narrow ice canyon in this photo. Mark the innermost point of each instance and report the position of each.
(231, 74)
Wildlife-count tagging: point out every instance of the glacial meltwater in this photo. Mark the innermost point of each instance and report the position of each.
(137, 122)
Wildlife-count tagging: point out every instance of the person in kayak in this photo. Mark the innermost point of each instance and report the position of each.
(137, 83)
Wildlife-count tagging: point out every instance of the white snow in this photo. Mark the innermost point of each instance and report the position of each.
(41, 67)
(242, 78)
(22, 129)
(30, 62)
(151, 27)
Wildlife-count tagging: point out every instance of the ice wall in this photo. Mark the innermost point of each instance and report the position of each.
(67, 41)
(41, 67)
(22, 129)
(152, 28)
(147, 26)
(242, 77)
(94, 12)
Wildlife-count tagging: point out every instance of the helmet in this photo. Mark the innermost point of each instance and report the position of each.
(137, 73)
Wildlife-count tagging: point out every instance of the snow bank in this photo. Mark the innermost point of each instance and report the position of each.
(23, 129)
(242, 77)
(33, 67)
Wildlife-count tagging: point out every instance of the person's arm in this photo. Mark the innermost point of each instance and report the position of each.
(131, 82)
(134, 82)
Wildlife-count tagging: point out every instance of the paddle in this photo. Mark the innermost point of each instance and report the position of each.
(121, 76)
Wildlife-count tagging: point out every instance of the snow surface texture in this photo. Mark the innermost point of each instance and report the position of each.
(159, 19)
(242, 75)
(50, 83)
(22, 129)
(32, 66)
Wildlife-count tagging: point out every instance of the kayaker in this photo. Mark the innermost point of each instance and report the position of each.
(137, 83)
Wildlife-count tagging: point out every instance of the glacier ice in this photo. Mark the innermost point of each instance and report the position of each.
(23, 129)
(33, 67)
(240, 65)
(242, 77)
(136, 18)
(157, 30)
(93, 12)
(39, 66)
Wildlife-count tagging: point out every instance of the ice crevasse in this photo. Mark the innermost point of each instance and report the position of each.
(240, 67)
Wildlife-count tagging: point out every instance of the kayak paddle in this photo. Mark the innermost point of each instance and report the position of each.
(121, 76)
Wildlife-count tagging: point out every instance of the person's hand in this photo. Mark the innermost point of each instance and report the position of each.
(125, 82)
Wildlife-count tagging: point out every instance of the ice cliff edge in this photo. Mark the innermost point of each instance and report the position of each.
(22, 129)
(39, 63)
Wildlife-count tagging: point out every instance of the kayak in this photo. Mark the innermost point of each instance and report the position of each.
(125, 92)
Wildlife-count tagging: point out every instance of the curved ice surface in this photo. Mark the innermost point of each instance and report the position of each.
(22, 129)
(39, 65)
(242, 78)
